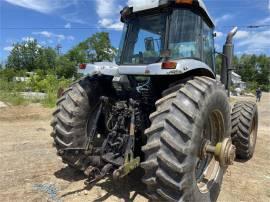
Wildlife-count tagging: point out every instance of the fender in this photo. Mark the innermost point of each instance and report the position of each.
(112, 69)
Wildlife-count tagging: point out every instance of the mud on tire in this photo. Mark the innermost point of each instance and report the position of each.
(244, 128)
(70, 119)
(175, 138)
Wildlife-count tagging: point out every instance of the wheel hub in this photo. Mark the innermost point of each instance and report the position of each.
(224, 151)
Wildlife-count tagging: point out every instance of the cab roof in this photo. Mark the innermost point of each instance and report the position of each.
(149, 4)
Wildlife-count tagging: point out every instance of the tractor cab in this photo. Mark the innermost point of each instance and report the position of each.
(166, 30)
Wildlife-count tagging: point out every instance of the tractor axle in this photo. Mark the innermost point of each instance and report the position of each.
(224, 151)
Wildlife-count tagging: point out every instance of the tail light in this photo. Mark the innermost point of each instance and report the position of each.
(184, 1)
(82, 66)
(169, 65)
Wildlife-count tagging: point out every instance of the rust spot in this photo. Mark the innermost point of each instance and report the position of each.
(147, 71)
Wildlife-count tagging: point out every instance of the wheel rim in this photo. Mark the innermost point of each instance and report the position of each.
(208, 168)
(252, 137)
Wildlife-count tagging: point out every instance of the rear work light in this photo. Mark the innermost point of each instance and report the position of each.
(82, 66)
(169, 65)
(184, 1)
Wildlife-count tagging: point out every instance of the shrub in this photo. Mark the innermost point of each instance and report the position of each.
(49, 85)
(10, 91)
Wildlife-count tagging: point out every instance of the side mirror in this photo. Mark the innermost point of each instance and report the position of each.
(149, 44)
(125, 13)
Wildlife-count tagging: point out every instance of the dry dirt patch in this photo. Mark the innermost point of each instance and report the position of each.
(28, 112)
(2, 105)
(31, 171)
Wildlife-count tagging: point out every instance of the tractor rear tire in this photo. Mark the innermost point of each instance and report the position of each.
(173, 169)
(70, 119)
(244, 129)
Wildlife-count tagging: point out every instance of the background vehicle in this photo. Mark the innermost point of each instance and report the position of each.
(159, 107)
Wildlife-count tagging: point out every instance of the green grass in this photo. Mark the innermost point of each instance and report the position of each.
(13, 98)
(10, 91)
(50, 100)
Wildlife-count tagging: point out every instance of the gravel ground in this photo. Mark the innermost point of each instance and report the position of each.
(31, 171)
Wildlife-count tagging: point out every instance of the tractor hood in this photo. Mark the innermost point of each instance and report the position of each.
(112, 69)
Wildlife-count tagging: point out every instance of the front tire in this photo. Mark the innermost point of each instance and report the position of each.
(174, 170)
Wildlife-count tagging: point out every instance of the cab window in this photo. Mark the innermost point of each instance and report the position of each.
(184, 36)
(208, 45)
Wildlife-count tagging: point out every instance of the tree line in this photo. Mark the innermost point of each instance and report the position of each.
(30, 56)
(253, 69)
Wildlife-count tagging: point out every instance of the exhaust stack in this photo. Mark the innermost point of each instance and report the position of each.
(228, 51)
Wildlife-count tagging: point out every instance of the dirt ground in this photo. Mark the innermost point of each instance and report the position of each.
(31, 171)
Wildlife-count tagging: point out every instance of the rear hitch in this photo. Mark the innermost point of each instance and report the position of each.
(126, 168)
(116, 155)
(94, 174)
(130, 163)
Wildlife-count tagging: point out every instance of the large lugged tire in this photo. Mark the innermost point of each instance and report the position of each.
(244, 128)
(70, 119)
(181, 123)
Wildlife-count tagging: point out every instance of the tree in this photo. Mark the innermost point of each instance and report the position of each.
(46, 59)
(30, 56)
(7, 74)
(255, 70)
(94, 49)
(218, 64)
(65, 68)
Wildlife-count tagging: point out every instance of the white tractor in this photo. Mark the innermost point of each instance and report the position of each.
(159, 107)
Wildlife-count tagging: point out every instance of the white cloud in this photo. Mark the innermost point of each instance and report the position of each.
(105, 22)
(40, 6)
(8, 48)
(264, 21)
(44, 33)
(50, 35)
(60, 37)
(137, 2)
(43, 43)
(254, 41)
(111, 24)
(105, 8)
(74, 17)
(223, 18)
(68, 26)
(241, 34)
(43, 6)
(117, 26)
(53, 6)
(28, 38)
(108, 13)
(219, 34)
(71, 38)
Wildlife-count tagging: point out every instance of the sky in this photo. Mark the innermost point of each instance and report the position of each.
(68, 22)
